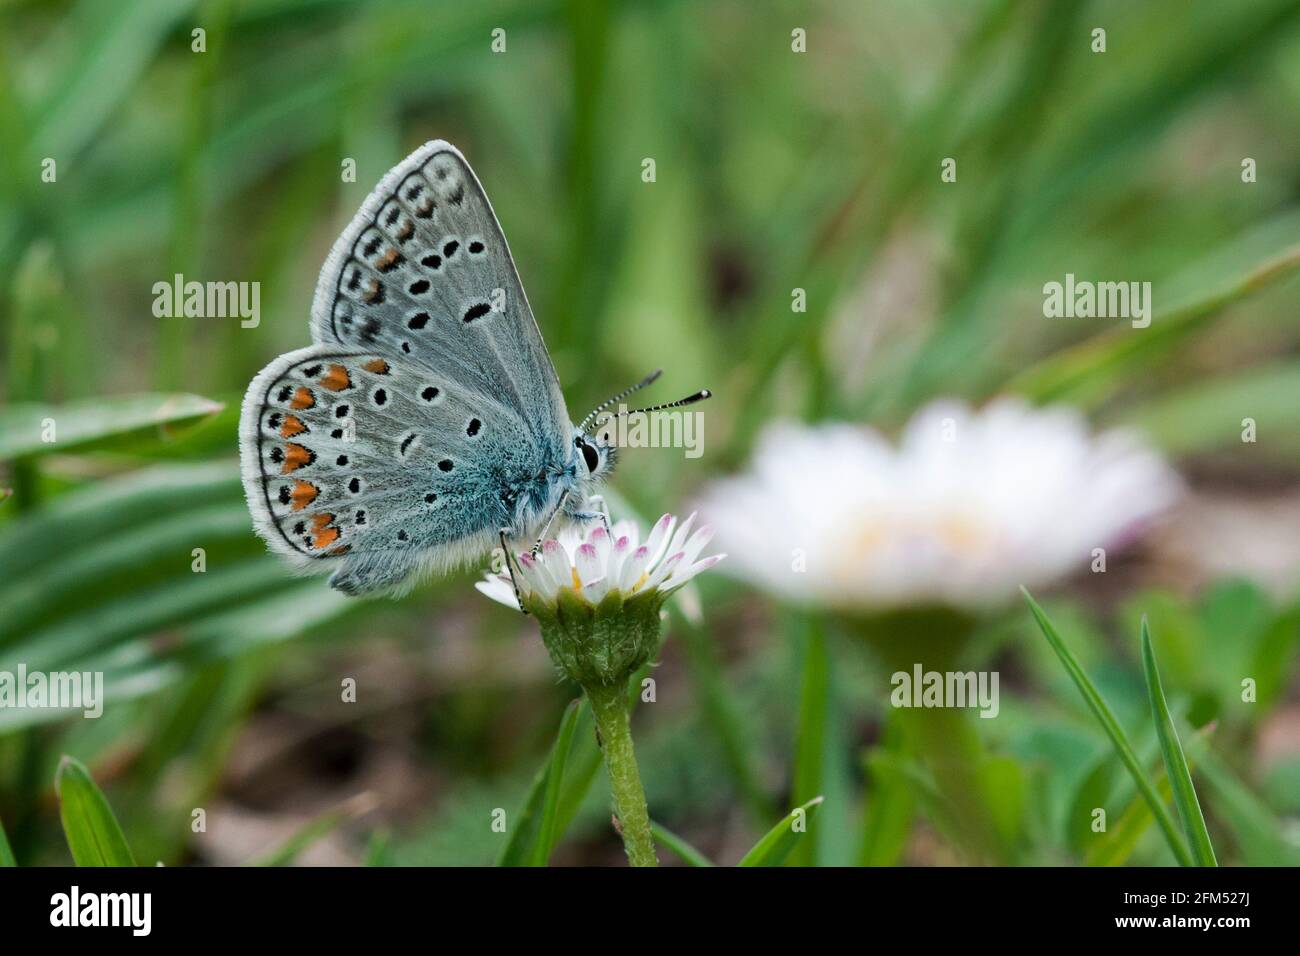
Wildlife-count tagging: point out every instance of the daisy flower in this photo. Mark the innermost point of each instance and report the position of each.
(593, 566)
(597, 599)
(965, 508)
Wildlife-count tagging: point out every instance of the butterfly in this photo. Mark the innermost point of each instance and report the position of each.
(425, 424)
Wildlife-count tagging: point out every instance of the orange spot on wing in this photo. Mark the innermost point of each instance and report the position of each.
(321, 520)
(295, 456)
(377, 366)
(292, 426)
(336, 379)
(303, 494)
(303, 398)
(387, 259)
(325, 538)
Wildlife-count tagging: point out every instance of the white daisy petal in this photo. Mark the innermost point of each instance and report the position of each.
(634, 568)
(587, 564)
(498, 589)
(618, 554)
(659, 536)
(599, 539)
(595, 591)
(679, 536)
(697, 543)
(666, 568)
(681, 577)
(554, 564)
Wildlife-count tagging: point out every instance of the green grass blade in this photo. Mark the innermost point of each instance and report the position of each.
(1080, 374)
(1180, 778)
(1113, 730)
(810, 746)
(93, 833)
(1260, 834)
(377, 848)
(96, 422)
(546, 827)
(315, 829)
(6, 853)
(671, 841)
(890, 804)
(724, 716)
(1119, 842)
(777, 843)
(525, 829)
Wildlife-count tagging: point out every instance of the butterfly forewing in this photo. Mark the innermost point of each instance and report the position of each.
(423, 271)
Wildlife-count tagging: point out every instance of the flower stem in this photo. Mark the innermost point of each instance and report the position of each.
(609, 705)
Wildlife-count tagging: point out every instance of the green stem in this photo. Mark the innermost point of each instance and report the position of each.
(943, 737)
(609, 705)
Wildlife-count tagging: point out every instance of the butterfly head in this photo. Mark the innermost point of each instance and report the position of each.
(595, 456)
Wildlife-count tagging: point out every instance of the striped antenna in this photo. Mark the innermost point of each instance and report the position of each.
(582, 427)
(699, 396)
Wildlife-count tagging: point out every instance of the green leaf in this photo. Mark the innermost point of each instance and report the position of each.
(6, 853)
(93, 833)
(671, 841)
(1189, 808)
(777, 843)
(96, 422)
(546, 827)
(1113, 730)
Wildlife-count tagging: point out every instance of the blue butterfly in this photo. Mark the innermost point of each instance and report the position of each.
(425, 425)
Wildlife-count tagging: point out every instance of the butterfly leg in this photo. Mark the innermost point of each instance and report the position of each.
(537, 546)
(510, 567)
(603, 513)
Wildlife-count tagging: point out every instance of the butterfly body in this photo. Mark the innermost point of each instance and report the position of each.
(426, 420)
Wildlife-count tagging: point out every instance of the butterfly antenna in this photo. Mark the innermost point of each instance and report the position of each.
(699, 396)
(582, 427)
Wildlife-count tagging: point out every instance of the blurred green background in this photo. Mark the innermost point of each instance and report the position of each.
(775, 171)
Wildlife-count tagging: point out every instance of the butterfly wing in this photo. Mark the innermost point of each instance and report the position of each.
(374, 467)
(384, 448)
(423, 271)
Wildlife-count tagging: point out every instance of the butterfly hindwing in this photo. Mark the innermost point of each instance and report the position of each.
(376, 465)
(423, 271)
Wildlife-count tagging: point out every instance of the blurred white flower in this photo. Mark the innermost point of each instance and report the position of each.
(969, 506)
(606, 561)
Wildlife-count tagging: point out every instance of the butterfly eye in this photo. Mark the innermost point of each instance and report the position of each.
(590, 456)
